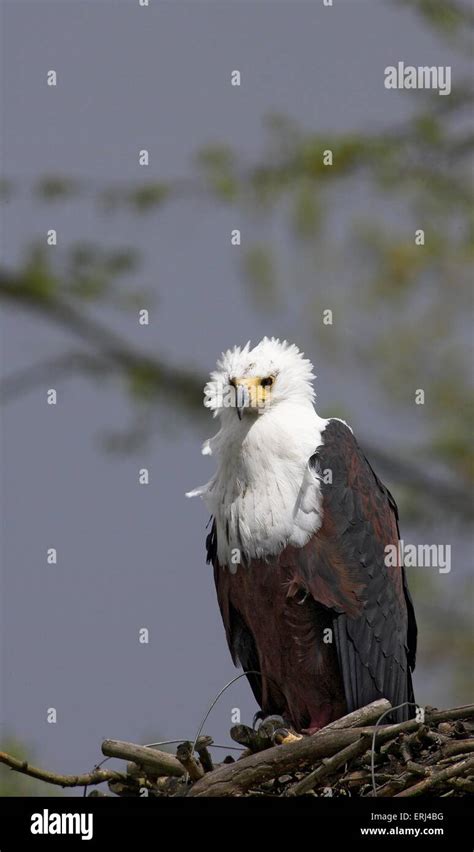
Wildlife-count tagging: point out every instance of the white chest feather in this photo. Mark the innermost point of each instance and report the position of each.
(264, 495)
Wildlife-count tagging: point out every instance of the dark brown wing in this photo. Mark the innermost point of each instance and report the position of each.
(343, 567)
(239, 638)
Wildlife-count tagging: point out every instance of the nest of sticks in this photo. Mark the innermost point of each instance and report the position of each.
(356, 756)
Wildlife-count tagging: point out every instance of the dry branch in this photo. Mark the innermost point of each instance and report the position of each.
(202, 748)
(363, 716)
(329, 766)
(237, 778)
(184, 753)
(87, 779)
(159, 762)
(437, 778)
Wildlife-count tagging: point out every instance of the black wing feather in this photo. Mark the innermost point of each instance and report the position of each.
(376, 648)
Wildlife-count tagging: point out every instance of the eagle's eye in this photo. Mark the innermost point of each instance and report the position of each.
(266, 383)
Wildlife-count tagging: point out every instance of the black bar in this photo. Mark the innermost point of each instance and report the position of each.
(433, 823)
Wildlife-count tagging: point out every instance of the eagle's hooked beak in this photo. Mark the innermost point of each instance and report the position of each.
(249, 393)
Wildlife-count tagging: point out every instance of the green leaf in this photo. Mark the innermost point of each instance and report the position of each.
(149, 197)
(259, 270)
(56, 188)
(307, 214)
(217, 164)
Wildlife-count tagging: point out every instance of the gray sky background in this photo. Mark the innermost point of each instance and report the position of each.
(132, 556)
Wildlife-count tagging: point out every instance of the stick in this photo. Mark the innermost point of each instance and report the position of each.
(184, 753)
(329, 766)
(363, 716)
(436, 716)
(465, 785)
(97, 776)
(451, 748)
(236, 778)
(202, 744)
(159, 762)
(437, 778)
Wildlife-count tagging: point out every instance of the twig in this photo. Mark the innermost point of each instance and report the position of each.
(202, 744)
(465, 785)
(238, 778)
(438, 778)
(329, 766)
(184, 753)
(159, 762)
(362, 716)
(97, 776)
(434, 717)
(451, 748)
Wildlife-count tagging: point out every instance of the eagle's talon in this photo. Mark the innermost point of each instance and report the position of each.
(259, 716)
(282, 736)
(269, 721)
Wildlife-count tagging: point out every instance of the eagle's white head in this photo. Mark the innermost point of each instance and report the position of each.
(264, 494)
(253, 381)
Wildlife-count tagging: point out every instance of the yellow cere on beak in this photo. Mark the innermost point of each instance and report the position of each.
(250, 393)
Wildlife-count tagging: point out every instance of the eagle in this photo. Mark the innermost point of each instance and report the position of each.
(317, 616)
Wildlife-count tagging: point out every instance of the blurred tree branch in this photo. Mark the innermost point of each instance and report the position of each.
(159, 380)
(421, 163)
